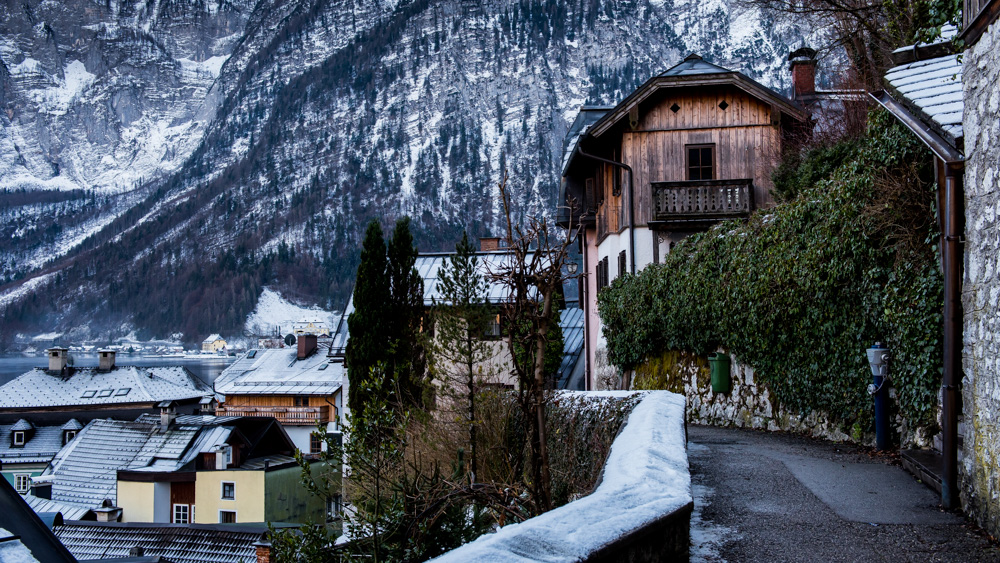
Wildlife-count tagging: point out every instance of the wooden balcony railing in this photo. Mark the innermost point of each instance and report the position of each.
(609, 220)
(295, 416)
(702, 201)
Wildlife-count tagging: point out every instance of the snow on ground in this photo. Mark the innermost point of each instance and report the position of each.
(274, 310)
(17, 292)
(646, 477)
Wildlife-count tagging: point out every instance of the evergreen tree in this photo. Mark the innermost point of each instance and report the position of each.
(406, 303)
(368, 324)
(459, 353)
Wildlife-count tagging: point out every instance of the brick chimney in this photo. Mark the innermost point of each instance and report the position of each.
(307, 345)
(58, 358)
(489, 244)
(803, 67)
(263, 550)
(106, 360)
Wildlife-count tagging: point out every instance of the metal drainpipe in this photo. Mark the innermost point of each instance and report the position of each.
(586, 316)
(631, 193)
(952, 332)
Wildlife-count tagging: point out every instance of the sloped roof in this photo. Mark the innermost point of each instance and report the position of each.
(85, 472)
(694, 71)
(89, 386)
(21, 425)
(276, 371)
(571, 323)
(212, 338)
(72, 424)
(178, 543)
(429, 266)
(933, 88)
(70, 511)
(587, 116)
(24, 538)
(40, 447)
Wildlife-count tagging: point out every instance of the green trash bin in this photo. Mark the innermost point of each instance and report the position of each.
(719, 364)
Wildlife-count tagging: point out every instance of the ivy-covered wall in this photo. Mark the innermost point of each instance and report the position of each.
(799, 291)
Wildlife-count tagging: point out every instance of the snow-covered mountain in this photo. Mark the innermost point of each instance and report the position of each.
(162, 160)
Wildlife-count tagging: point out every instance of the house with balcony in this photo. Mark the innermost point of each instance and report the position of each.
(299, 387)
(691, 147)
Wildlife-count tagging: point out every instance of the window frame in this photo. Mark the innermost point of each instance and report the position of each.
(26, 488)
(701, 167)
(19, 438)
(315, 443)
(222, 490)
(233, 512)
(187, 513)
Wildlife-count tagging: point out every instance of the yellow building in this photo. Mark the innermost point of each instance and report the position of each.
(213, 343)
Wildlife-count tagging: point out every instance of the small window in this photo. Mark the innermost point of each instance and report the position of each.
(89, 394)
(323, 367)
(228, 490)
(334, 507)
(701, 162)
(494, 328)
(301, 401)
(22, 482)
(182, 514)
(19, 438)
(105, 393)
(123, 391)
(229, 455)
(68, 436)
(315, 443)
(227, 517)
(622, 263)
(603, 274)
(252, 354)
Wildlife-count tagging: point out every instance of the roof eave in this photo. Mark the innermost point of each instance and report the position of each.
(657, 83)
(939, 145)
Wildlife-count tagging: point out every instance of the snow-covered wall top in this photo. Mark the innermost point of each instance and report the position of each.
(646, 478)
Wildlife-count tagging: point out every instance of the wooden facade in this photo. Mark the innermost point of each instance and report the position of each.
(294, 410)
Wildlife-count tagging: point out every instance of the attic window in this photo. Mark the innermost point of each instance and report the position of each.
(105, 393)
(68, 436)
(123, 391)
(89, 394)
(252, 354)
(675, 108)
(323, 367)
(723, 105)
(19, 438)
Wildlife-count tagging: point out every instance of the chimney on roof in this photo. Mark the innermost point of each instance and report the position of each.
(803, 66)
(106, 360)
(489, 244)
(263, 550)
(58, 359)
(168, 413)
(307, 345)
(108, 512)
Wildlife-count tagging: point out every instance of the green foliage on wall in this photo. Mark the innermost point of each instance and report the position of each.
(800, 290)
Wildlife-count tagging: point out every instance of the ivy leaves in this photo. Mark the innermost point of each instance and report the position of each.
(800, 290)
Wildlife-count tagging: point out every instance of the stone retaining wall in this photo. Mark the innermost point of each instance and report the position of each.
(749, 404)
(981, 287)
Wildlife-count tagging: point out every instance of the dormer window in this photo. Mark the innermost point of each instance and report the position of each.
(18, 439)
(68, 436)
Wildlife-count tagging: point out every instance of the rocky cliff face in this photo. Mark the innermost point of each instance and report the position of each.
(252, 142)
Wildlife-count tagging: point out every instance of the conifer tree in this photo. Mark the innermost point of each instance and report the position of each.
(368, 323)
(406, 302)
(459, 353)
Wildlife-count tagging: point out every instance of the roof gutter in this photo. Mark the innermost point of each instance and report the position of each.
(631, 206)
(952, 256)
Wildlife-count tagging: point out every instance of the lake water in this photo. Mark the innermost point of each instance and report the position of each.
(205, 367)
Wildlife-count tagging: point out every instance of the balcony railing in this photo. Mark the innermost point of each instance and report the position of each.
(702, 201)
(609, 220)
(295, 416)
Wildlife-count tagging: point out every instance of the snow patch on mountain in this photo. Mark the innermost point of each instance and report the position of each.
(274, 311)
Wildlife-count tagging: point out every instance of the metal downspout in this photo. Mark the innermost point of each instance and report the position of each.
(631, 206)
(586, 316)
(953, 258)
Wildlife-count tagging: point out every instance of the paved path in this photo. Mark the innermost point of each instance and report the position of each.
(778, 497)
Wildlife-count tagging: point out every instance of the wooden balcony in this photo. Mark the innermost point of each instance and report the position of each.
(292, 416)
(701, 203)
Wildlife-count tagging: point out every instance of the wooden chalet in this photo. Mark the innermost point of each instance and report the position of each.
(691, 147)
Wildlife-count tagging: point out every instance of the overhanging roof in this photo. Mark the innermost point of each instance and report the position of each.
(694, 71)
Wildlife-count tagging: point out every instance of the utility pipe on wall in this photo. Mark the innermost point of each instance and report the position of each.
(631, 194)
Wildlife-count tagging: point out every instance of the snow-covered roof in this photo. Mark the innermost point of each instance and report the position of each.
(645, 478)
(693, 64)
(428, 266)
(69, 510)
(40, 446)
(212, 338)
(933, 87)
(276, 371)
(85, 472)
(571, 323)
(587, 116)
(72, 424)
(21, 425)
(90, 386)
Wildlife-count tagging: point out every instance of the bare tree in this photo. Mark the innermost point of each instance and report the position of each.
(533, 277)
